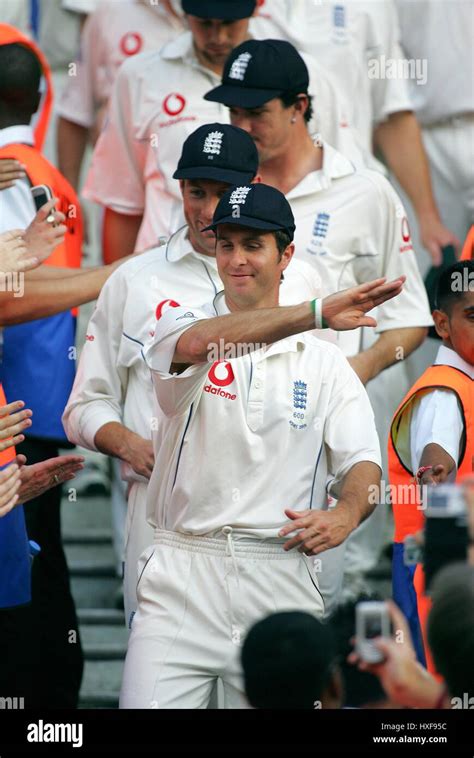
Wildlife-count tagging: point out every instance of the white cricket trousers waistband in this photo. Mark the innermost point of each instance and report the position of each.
(197, 598)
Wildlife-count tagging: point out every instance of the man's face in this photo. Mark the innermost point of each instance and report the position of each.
(249, 263)
(458, 328)
(269, 126)
(215, 39)
(200, 198)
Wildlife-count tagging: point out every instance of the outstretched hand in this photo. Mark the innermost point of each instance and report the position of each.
(41, 477)
(347, 309)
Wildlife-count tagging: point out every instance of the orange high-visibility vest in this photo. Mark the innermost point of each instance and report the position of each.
(9, 35)
(40, 171)
(6, 456)
(468, 247)
(405, 495)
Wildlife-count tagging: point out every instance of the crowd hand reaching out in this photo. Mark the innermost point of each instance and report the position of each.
(14, 254)
(10, 171)
(347, 309)
(43, 235)
(14, 419)
(404, 680)
(20, 483)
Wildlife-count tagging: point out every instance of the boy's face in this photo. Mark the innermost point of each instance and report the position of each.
(456, 329)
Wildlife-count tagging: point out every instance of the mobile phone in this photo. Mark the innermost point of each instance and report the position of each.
(42, 194)
(446, 530)
(372, 620)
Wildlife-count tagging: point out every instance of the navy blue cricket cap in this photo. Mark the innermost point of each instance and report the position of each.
(257, 206)
(226, 10)
(221, 152)
(258, 71)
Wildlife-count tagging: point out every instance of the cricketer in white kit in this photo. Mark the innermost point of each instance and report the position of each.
(242, 446)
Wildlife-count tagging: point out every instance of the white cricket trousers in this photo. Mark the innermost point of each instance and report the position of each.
(197, 597)
(138, 536)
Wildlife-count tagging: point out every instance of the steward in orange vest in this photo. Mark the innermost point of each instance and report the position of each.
(467, 253)
(445, 424)
(38, 357)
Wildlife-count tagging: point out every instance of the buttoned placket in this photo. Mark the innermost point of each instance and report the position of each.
(256, 395)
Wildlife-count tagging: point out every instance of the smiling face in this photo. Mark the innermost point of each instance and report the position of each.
(250, 266)
(456, 326)
(214, 39)
(200, 198)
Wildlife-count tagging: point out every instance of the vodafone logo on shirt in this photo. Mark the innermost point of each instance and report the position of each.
(220, 375)
(164, 306)
(131, 43)
(406, 237)
(174, 104)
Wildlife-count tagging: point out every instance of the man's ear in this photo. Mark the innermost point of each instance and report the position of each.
(181, 186)
(287, 255)
(257, 179)
(302, 103)
(441, 320)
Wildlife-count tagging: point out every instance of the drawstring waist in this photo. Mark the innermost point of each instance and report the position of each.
(230, 543)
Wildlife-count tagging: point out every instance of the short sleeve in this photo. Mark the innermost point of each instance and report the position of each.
(174, 392)
(436, 417)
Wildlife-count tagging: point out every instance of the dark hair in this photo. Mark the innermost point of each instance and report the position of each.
(451, 627)
(290, 97)
(287, 661)
(282, 240)
(447, 292)
(360, 687)
(19, 82)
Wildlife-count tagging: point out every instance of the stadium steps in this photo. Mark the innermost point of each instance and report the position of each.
(87, 539)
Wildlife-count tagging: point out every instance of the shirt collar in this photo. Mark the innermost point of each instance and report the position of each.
(14, 134)
(182, 48)
(335, 165)
(448, 357)
(179, 246)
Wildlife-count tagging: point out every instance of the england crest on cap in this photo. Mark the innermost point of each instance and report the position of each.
(239, 66)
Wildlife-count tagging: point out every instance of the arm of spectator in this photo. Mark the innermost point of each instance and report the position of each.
(404, 680)
(46, 297)
(399, 139)
(386, 351)
(72, 141)
(10, 171)
(40, 477)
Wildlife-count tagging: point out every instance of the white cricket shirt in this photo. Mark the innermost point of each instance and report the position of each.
(112, 381)
(243, 439)
(440, 34)
(352, 227)
(111, 35)
(344, 37)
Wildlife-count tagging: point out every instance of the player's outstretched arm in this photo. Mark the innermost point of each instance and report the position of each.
(343, 310)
